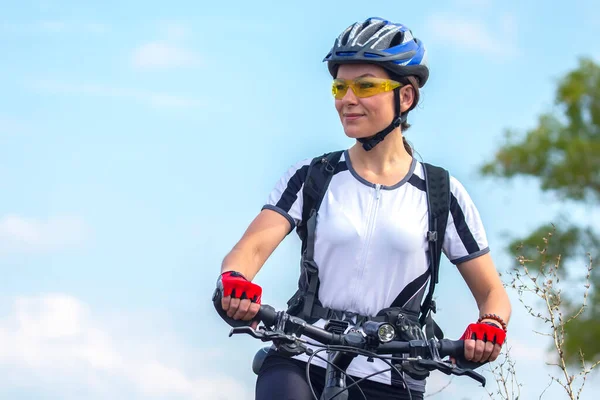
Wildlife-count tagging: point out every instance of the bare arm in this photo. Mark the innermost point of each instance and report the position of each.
(484, 282)
(259, 241)
(248, 256)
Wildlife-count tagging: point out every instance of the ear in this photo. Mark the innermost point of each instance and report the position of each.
(407, 97)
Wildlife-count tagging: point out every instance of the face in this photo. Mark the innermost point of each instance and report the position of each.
(364, 117)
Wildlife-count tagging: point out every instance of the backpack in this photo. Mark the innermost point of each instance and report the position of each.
(305, 303)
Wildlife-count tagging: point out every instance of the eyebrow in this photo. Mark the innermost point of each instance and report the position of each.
(364, 75)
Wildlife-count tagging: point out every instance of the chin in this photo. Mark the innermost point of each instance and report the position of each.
(354, 133)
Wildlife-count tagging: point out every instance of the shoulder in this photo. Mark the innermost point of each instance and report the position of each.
(456, 186)
(300, 168)
(297, 170)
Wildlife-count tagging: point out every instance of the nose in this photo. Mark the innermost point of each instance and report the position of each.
(349, 97)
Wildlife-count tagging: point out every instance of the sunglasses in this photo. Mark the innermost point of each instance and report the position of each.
(362, 87)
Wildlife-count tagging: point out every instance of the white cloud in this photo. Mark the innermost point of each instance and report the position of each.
(54, 343)
(168, 52)
(175, 30)
(473, 34)
(162, 54)
(152, 98)
(19, 234)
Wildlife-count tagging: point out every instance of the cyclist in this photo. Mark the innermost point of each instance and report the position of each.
(370, 244)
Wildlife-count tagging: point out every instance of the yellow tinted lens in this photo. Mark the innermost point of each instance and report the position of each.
(362, 87)
(369, 86)
(365, 87)
(339, 88)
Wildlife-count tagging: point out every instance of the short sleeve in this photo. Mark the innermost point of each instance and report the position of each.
(465, 237)
(286, 196)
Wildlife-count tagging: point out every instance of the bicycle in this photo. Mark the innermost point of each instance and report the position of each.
(374, 341)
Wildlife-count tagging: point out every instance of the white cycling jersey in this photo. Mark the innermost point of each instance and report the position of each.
(371, 243)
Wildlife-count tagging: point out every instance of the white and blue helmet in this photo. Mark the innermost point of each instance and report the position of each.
(378, 41)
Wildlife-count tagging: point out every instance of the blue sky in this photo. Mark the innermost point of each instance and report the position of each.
(138, 140)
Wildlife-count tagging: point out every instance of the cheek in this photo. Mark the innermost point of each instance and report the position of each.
(371, 106)
(377, 106)
(338, 106)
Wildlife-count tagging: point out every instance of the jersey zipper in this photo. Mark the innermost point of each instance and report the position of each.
(372, 215)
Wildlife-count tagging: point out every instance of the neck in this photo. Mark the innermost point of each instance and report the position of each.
(387, 155)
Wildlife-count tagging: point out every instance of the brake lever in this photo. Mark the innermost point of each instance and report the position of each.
(431, 365)
(463, 363)
(449, 368)
(470, 373)
(246, 329)
(262, 334)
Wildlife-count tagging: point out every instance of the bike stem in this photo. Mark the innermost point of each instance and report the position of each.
(335, 378)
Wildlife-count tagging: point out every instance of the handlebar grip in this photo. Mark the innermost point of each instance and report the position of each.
(267, 314)
(235, 323)
(452, 348)
(456, 349)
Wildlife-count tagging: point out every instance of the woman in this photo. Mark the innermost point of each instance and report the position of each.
(370, 241)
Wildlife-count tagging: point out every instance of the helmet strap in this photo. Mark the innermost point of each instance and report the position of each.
(399, 118)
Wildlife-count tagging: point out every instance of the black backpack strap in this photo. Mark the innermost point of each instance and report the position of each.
(437, 186)
(319, 174)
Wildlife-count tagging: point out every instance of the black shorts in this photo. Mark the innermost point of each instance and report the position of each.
(284, 378)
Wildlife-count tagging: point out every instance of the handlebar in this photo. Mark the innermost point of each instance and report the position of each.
(446, 347)
(285, 329)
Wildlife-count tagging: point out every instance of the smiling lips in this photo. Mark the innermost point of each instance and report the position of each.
(352, 116)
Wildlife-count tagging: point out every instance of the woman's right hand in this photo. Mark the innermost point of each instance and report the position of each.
(239, 299)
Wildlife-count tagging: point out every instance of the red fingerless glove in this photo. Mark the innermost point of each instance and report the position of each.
(234, 284)
(485, 332)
